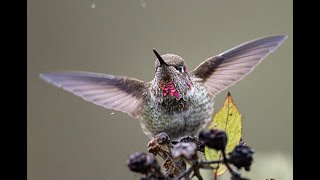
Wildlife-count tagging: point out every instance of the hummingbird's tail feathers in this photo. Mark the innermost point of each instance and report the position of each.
(112, 92)
(224, 70)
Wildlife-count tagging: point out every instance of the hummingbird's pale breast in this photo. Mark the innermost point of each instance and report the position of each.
(178, 118)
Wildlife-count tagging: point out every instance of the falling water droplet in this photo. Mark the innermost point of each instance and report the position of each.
(112, 113)
(143, 3)
(93, 5)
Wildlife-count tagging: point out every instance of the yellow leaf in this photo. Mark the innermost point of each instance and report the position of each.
(229, 120)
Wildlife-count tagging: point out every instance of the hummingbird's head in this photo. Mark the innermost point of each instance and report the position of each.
(171, 76)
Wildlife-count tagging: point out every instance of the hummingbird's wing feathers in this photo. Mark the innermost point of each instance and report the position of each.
(112, 92)
(222, 71)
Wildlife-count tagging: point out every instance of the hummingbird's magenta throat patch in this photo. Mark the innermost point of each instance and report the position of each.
(169, 89)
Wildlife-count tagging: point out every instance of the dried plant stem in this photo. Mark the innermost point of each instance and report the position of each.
(225, 161)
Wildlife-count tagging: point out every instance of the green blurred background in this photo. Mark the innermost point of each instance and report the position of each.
(69, 138)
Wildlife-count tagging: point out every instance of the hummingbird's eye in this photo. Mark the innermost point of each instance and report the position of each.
(180, 68)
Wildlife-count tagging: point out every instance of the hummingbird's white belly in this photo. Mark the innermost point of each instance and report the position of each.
(178, 118)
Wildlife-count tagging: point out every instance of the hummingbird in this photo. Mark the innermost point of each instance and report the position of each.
(177, 101)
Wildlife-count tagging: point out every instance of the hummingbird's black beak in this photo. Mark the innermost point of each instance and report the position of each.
(160, 58)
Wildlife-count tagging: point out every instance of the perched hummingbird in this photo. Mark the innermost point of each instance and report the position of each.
(177, 101)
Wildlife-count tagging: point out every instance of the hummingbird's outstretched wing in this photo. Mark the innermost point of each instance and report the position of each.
(222, 71)
(112, 92)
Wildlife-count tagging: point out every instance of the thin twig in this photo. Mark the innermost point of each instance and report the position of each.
(211, 162)
(206, 164)
(225, 161)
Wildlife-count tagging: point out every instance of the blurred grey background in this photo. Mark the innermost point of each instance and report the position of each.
(71, 139)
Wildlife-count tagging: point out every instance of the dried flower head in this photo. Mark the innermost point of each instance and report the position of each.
(214, 138)
(241, 156)
(142, 163)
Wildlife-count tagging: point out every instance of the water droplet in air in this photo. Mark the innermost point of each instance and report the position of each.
(112, 113)
(143, 3)
(93, 5)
